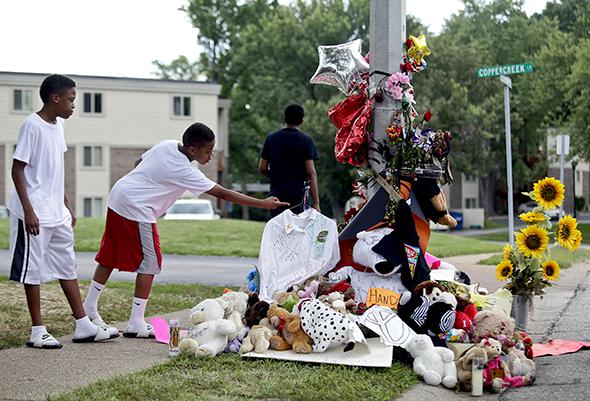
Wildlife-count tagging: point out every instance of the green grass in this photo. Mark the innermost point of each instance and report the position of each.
(563, 257)
(228, 237)
(229, 377)
(444, 245)
(225, 237)
(115, 306)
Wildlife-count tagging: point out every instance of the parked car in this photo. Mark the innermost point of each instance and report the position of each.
(191, 209)
(529, 206)
(3, 212)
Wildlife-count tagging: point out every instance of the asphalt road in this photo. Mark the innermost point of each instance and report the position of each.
(208, 270)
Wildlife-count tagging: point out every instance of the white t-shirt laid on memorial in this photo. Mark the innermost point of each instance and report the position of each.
(149, 190)
(42, 145)
(294, 248)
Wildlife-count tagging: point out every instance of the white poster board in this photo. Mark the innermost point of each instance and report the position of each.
(373, 354)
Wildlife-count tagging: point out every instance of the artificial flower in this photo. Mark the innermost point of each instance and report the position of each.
(423, 139)
(504, 270)
(551, 270)
(532, 217)
(532, 241)
(566, 229)
(549, 193)
(427, 116)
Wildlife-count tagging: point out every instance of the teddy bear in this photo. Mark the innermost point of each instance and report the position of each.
(429, 289)
(327, 327)
(233, 345)
(496, 374)
(291, 336)
(434, 364)
(256, 311)
(490, 323)
(465, 365)
(285, 299)
(464, 314)
(257, 340)
(519, 364)
(432, 201)
(336, 301)
(211, 333)
(311, 291)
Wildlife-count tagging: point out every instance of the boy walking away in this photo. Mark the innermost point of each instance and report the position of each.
(41, 220)
(287, 158)
(130, 241)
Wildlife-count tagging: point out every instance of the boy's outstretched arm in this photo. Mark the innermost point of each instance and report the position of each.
(18, 177)
(235, 197)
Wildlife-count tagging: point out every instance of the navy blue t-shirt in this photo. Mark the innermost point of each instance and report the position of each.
(286, 151)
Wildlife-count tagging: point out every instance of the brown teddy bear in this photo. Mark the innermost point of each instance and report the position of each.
(256, 311)
(429, 289)
(465, 364)
(290, 334)
(489, 323)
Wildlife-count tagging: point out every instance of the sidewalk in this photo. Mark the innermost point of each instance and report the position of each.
(28, 374)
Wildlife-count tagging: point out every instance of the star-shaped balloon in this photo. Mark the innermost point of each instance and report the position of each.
(341, 66)
(419, 48)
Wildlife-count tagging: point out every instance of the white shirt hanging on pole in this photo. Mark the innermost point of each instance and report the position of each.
(294, 248)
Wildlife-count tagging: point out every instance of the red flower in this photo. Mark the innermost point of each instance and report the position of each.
(409, 43)
(427, 116)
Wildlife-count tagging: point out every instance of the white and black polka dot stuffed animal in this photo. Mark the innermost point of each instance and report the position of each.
(326, 327)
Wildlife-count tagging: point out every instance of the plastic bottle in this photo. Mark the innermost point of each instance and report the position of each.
(477, 377)
(174, 337)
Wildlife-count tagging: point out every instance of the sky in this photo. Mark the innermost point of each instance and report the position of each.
(122, 37)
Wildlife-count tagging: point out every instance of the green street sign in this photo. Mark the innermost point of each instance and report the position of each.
(508, 69)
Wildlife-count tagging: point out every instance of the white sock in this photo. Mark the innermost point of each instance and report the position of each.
(85, 328)
(37, 331)
(137, 319)
(91, 302)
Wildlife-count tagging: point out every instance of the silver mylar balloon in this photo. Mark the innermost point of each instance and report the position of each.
(341, 66)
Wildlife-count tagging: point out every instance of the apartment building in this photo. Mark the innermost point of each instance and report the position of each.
(116, 120)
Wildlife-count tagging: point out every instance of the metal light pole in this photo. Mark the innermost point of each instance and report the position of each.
(507, 85)
(574, 164)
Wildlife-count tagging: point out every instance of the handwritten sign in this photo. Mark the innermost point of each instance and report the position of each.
(383, 297)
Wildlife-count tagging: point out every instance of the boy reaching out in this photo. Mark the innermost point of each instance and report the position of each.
(41, 220)
(130, 241)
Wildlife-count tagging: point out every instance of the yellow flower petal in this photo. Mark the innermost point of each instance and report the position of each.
(532, 217)
(503, 270)
(549, 193)
(507, 251)
(532, 241)
(551, 270)
(567, 235)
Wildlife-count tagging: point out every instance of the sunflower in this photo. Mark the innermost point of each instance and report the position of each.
(503, 270)
(532, 241)
(566, 232)
(577, 239)
(551, 270)
(548, 193)
(532, 217)
(507, 251)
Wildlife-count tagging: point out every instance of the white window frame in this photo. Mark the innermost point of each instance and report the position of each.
(93, 157)
(93, 111)
(22, 110)
(95, 210)
(183, 99)
(467, 203)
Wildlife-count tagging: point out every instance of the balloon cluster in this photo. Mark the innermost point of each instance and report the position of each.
(417, 148)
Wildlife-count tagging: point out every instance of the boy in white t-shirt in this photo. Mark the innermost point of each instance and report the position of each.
(41, 221)
(130, 241)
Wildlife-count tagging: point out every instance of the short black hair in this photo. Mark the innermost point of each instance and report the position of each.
(294, 114)
(55, 84)
(197, 134)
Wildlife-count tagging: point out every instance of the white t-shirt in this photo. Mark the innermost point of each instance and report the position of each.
(149, 190)
(41, 145)
(294, 248)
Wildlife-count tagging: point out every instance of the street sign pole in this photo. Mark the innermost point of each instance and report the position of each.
(503, 71)
(507, 85)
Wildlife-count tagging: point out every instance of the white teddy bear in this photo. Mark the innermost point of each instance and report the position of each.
(211, 332)
(434, 364)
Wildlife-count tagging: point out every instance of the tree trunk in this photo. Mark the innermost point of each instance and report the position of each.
(487, 193)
